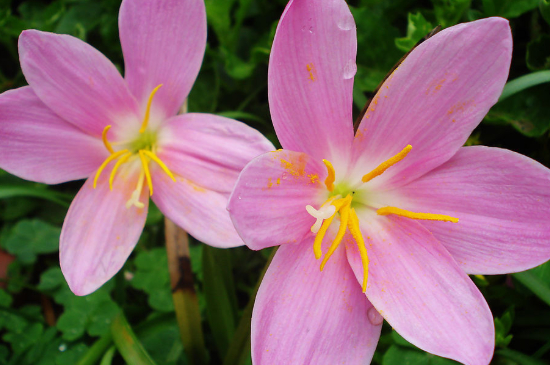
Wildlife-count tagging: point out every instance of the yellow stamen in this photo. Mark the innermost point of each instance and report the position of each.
(106, 162)
(387, 164)
(160, 163)
(353, 225)
(321, 234)
(413, 215)
(122, 160)
(105, 141)
(329, 181)
(148, 110)
(145, 165)
(344, 215)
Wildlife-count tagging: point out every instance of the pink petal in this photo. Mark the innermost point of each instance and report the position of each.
(210, 150)
(163, 43)
(501, 199)
(422, 293)
(311, 71)
(199, 211)
(305, 316)
(76, 81)
(37, 145)
(268, 204)
(435, 99)
(99, 232)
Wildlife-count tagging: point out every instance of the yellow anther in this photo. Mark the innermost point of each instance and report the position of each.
(321, 234)
(387, 164)
(145, 165)
(160, 163)
(329, 181)
(106, 162)
(353, 225)
(148, 110)
(105, 141)
(413, 215)
(344, 215)
(122, 160)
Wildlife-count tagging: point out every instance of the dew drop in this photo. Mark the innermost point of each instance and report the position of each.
(62, 347)
(346, 22)
(311, 29)
(350, 69)
(374, 317)
(284, 175)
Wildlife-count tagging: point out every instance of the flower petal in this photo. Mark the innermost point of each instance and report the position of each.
(37, 145)
(209, 150)
(310, 78)
(199, 211)
(305, 316)
(163, 43)
(501, 199)
(99, 232)
(422, 293)
(434, 100)
(76, 81)
(268, 204)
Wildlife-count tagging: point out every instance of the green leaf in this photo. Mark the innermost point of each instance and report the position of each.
(128, 344)
(502, 328)
(397, 355)
(152, 277)
(8, 191)
(449, 12)
(219, 292)
(537, 280)
(538, 53)
(417, 28)
(526, 111)
(21, 340)
(519, 358)
(29, 238)
(508, 8)
(544, 7)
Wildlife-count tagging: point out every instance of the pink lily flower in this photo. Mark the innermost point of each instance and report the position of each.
(389, 222)
(79, 118)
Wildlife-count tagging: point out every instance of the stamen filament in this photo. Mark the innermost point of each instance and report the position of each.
(105, 141)
(344, 215)
(414, 215)
(387, 164)
(106, 162)
(321, 234)
(160, 163)
(353, 225)
(145, 165)
(329, 181)
(148, 110)
(122, 160)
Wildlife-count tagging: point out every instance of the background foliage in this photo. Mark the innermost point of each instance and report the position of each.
(42, 322)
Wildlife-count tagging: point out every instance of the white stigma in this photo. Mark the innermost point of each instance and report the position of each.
(323, 213)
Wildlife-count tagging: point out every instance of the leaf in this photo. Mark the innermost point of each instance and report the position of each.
(502, 328)
(417, 28)
(397, 355)
(508, 8)
(537, 280)
(152, 277)
(544, 7)
(449, 12)
(538, 53)
(128, 344)
(8, 191)
(21, 340)
(29, 238)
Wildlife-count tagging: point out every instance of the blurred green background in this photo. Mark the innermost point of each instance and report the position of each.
(42, 322)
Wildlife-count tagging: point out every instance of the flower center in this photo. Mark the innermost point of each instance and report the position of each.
(142, 148)
(348, 217)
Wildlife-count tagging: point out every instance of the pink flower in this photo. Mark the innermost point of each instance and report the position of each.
(79, 118)
(401, 200)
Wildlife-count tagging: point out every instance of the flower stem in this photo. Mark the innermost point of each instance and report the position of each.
(240, 345)
(184, 296)
(524, 82)
(97, 350)
(127, 343)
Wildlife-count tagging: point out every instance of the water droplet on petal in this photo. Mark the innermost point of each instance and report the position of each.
(311, 29)
(350, 69)
(346, 22)
(374, 317)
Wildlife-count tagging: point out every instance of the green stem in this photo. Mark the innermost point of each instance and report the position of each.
(240, 345)
(186, 303)
(127, 343)
(108, 357)
(536, 285)
(524, 82)
(97, 350)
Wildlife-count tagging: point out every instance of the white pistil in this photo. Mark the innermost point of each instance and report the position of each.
(134, 198)
(325, 212)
